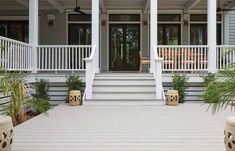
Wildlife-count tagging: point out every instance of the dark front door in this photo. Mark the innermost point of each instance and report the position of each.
(124, 47)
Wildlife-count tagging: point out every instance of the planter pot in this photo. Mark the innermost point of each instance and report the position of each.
(6, 133)
(172, 97)
(75, 97)
(229, 134)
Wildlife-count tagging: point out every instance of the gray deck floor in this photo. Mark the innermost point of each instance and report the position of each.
(188, 127)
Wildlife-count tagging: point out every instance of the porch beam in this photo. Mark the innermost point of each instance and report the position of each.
(153, 30)
(231, 5)
(212, 35)
(95, 30)
(103, 7)
(147, 5)
(25, 3)
(190, 4)
(33, 32)
(56, 4)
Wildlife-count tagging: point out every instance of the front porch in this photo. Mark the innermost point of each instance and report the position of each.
(138, 128)
(185, 35)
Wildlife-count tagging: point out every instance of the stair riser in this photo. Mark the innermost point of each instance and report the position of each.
(110, 103)
(123, 82)
(123, 89)
(124, 95)
(123, 78)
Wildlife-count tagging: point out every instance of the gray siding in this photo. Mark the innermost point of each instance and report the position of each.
(104, 44)
(47, 35)
(232, 28)
(53, 35)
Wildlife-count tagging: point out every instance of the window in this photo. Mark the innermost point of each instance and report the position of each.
(79, 17)
(169, 17)
(169, 29)
(79, 29)
(198, 29)
(124, 17)
(169, 34)
(80, 34)
(17, 30)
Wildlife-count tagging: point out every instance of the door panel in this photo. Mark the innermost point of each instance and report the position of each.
(169, 34)
(124, 47)
(80, 34)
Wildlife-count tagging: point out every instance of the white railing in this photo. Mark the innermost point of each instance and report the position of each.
(15, 55)
(90, 72)
(62, 58)
(158, 75)
(184, 58)
(225, 56)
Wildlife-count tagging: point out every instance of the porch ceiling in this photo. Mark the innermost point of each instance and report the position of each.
(110, 4)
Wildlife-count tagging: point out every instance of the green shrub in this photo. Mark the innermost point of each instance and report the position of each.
(40, 105)
(180, 84)
(41, 89)
(208, 78)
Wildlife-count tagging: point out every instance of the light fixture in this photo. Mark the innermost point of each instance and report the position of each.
(51, 20)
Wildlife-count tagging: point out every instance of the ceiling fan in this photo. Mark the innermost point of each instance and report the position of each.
(219, 9)
(77, 9)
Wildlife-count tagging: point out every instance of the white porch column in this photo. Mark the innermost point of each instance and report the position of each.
(212, 36)
(33, 31)
(153, 30)
(95, 30)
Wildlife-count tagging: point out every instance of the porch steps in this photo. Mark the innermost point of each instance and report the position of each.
(123, 89)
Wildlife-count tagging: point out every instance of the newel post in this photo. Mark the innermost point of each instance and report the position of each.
(89, 77)
(158, 70)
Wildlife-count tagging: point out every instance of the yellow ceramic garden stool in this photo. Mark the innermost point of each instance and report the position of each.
(75, 97)
(172, 97)
(6, 133)
(229, 134)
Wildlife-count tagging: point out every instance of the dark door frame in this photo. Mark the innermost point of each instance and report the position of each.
(124, 26)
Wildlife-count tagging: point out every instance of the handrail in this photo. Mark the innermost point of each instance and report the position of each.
(15, 41)
(158, 75)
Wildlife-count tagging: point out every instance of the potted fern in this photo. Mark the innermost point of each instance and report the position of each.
(177, 95)
(74, 83)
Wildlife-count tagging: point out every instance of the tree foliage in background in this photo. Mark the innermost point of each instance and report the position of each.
(180, 84)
